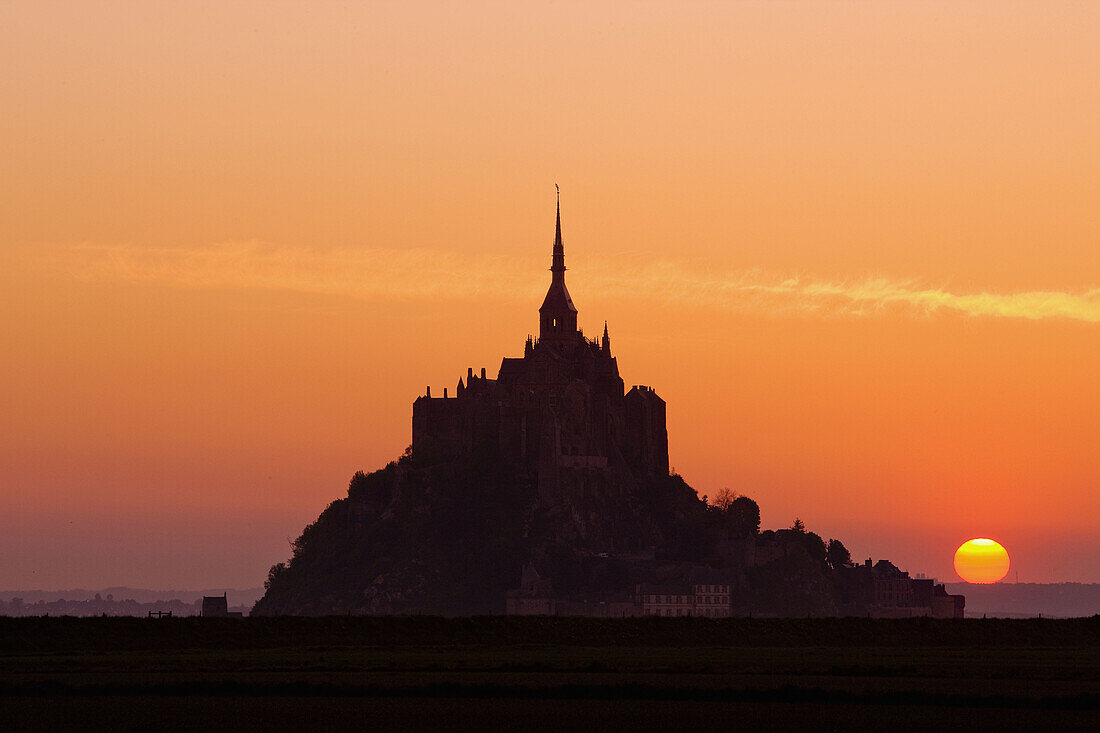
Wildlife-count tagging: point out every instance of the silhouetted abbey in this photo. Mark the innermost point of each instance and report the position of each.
(559, 411)
(547, 490)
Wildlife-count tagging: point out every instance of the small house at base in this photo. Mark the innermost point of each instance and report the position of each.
(218, 607)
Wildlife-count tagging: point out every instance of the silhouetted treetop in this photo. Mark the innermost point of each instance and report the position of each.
(744, 515)
(723, 499)
(837, 555)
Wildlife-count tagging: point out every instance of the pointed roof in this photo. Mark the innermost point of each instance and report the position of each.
(557, 297)
(559, 249)
(530, 575)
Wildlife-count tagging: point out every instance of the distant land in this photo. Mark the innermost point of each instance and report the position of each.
(119, 601)
(1000, 600)
(1012, 600)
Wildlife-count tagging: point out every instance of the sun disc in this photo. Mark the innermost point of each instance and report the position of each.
(981, 560)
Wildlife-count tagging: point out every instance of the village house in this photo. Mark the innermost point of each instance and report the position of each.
(710, 600)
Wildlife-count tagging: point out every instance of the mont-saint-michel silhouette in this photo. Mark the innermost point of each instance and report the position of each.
(547, 490)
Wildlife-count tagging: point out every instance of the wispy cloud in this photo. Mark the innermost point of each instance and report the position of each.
(424, 273)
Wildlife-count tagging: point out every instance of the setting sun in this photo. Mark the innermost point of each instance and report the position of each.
(981, 561)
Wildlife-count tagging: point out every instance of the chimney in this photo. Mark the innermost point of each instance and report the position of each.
(429, 393)
(483, 372)
(469, 374)
(444, 393)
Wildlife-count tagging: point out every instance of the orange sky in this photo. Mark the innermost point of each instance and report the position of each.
(855, 246)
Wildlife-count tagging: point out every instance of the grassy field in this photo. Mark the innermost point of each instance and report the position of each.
(537, 673)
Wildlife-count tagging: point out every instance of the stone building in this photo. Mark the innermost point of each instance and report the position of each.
(710, 600)
(895, 594)
(218, 607)
(559, 415)
(947, 605)
(215, 606)
(534, 597)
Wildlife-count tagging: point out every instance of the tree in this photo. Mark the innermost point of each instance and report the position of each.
(744, 516)
(815, 546)
(837, 555)
(273, 575)
(724, 498)
(798, 526)
(739, 514)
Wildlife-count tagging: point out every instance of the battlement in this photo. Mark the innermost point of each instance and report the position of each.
(473, 382)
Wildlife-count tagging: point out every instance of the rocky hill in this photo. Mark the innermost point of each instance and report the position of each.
(451, 536)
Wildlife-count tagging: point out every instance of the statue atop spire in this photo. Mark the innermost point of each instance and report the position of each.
(558, 315)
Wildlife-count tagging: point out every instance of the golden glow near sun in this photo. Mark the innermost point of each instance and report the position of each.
(981, 561)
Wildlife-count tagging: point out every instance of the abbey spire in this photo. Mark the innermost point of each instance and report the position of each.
(558, 315)
(558, 266)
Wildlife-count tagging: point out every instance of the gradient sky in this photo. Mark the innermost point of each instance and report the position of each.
(855, 246)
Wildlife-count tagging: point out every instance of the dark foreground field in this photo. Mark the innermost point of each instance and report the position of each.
(547, 673)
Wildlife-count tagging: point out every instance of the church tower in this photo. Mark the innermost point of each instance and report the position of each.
(558, 315)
